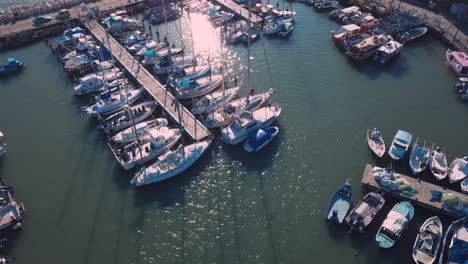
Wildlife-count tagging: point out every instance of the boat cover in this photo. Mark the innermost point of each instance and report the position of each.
(395, 222)
(259, 138)
(459, 251)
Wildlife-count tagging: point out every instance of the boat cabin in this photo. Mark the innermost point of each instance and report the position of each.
(458, 62)
(346, 31)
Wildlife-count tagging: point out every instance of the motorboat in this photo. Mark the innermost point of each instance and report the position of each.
(247, 122)
(419, 158)
(458, 62)
(368, 47)
(394, 224)
(455, 243)
(176, 63)
(13, 66)
(411, 34)
(110, 103)
(171, 164)
(260, 139)
(138, 153)
(363, 214)
(213, 101)
(388, 51)
(224, 115)
(400, 145)
(376, 142)
(273, 27)
(325, 5)
(189, 88)
(345, 32)
(438, 164)
(140, 131)
(464, 185)
(462, 88)
(458, 169)
(128, 116)
(3, 145)
(287, 29)
(249, 35)
(427, 244)
(340, 204)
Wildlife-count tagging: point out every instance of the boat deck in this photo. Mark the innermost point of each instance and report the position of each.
(422, 197)
(239, 10)
(8, 213)
(192, 126)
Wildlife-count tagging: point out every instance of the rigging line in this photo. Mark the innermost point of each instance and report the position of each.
(267, 63)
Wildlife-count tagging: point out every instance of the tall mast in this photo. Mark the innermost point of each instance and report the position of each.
(248, 53)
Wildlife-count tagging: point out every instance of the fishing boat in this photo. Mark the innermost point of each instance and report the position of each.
(464, 186)
(213, 101)
(260, 138)
(458, 169)
(110, 103)
(13, 66)
(411, 34)
(363, 214)
(438, 164)
(388, 51)
(287, 29)
(140, 131)
(128, 116)
(427, 244)
(248, 122)
(224, 115)
(419, 158)
(455, 243)
(140, 152)
(368, 47)
(12, 212)
(345, 32)
(189, 88)
(3, 145)
(400, 145)
(171, 164)
(394, 224)
(339, 204)
(458, 62)
(376, 142)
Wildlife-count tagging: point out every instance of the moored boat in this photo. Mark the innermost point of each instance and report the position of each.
(438, 164)
(458, 62)
(3, 145)
(287, 29)
(455, 243)
(411, 34)
(345, 31)
(427, 244)
(213, 101)
(339, 204)
(458, 169)
(464, 186)
(394, 224)
(363, 214)
(388, 51)
(111, 103)
(189, 88)
(400, 145)
(260, 138)
(376, 142)
(128, 116)
(419, 158)
(139, 131)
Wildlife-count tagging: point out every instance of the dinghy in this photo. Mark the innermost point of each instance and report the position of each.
(142, 131)
(455, 243)
(248, 122)
(171, 164)
(394, 224)
(339, 204)
(213, 101)
(438, 164)
(400, 145)
(419, 158)
(127, 117)
(111, 103)
(458, 169)
(427, 244)
(363, 214)
(376, 142)
(140, 152)
(260, 139)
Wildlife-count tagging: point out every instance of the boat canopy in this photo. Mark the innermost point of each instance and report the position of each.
(395, 222)
(459, 251)
(403, 137)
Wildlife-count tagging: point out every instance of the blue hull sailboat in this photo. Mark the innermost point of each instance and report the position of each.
(260, 139)
(339, 204)
(13, 66)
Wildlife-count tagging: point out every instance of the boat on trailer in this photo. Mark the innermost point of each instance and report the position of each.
(363, 214)
(458, 62)
(340, 204)
(388, 52)
(427, 244)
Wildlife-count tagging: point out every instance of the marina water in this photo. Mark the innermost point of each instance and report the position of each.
(231, 206)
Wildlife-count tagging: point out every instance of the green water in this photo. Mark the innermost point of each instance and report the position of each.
(230, 207)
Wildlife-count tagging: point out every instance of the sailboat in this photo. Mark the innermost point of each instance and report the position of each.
(139, 131)
(111, 103)
(455, 243)
(189, 88)
(419, 158)
(213, 101)
(3, 145)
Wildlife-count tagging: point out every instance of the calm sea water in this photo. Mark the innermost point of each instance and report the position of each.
(230, 207)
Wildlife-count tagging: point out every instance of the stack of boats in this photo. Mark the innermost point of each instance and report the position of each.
(421, 157)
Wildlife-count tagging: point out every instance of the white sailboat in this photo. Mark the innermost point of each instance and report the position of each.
(213, 101)
(111, 103)
(139, 131)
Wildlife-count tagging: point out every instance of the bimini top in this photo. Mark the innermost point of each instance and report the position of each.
(403, 137)
(150, 53)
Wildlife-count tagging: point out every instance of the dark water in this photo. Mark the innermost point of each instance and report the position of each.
(230, 207)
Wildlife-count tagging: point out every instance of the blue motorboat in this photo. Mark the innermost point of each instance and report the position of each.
(13, 66)
(395, 224)
(339, 204)
(260, 139)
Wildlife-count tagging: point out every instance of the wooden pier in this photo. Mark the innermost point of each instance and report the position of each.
(239, 10)
(421, 198)
(192, 126)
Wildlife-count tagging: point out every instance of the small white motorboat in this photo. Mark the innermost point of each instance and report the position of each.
(400, 145)
(427, 244)
(213, 101)
(438, 164)
(3, 145)
(127, 117)
(140, 131)
(260, 139)
(458, 169)
(376, 142)
(111, 103)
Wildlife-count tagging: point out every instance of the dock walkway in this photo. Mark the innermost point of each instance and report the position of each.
(239, 10)
(192, 126)
(422, 198)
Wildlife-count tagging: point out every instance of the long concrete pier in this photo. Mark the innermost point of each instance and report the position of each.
(191, 125)
(239, 10)
(422, 197)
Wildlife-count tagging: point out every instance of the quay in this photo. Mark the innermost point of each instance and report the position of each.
(239, 10)
(421, 198)
(191, 125)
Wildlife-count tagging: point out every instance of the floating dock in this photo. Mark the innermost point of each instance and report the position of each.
(239, 10)
(191, 125)
(421, 198)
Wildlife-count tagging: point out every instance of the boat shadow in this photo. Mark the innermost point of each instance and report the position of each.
(373, 70)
